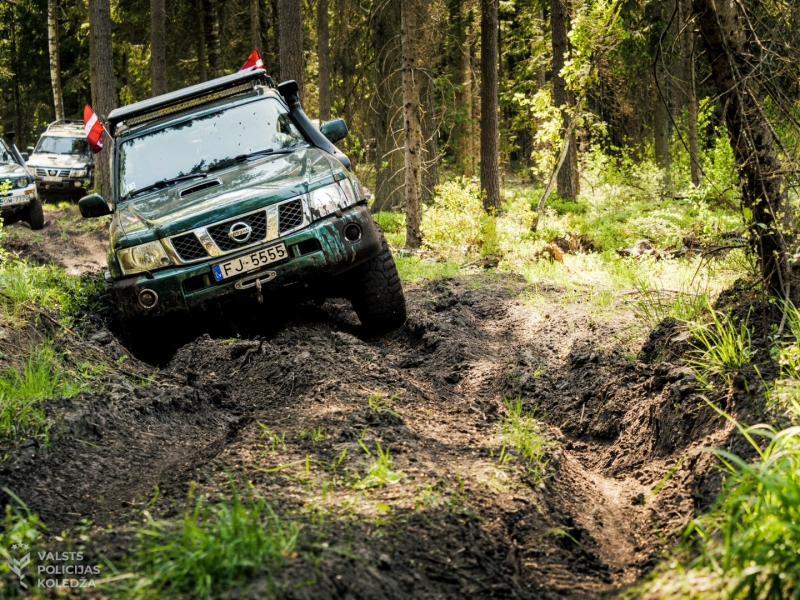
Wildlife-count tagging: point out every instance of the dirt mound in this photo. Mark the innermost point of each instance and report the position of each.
(622, 441)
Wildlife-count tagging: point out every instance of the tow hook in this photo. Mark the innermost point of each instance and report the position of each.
(258, 289)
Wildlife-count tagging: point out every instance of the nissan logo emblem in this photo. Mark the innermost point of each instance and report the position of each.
(52, 172)
(240, 232)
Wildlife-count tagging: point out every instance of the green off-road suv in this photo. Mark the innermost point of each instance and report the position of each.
(226, 194)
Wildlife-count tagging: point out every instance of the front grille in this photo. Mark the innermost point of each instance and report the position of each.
(188, 247)
(256, 221)
(44, 172)
(290, 216)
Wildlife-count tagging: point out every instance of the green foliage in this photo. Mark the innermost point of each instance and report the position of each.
(379, 469)
(44, 374)
(523, 432)
(316, 434)
(720, 347)
(654, 305)
(784, 393)
(213, 548)
(567, 206)
(44, 285)
(20, 526)
(453, 226)
(748, 546)
(377, 403)
(274, 441)
(415, 268)
(390, 222)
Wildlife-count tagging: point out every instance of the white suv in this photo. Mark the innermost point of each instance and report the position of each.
(62, 161)
(18, 194)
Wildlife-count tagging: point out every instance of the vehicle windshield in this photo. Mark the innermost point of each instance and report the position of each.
(196, 146)
(51, 144)
(6, 157)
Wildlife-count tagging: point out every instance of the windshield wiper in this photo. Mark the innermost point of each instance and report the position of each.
(165, 182)
(227, 162)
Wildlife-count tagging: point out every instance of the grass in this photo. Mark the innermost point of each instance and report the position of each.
(720, 348)
(45, 286)
(653, 305)
(213, 548)
(44, 374)
(415, 268)
(748, 545)
(379, 469)
(523, 432)
(316, 434)
(377, 403)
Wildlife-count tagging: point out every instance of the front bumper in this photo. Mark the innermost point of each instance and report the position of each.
(17, 198)
(316, 253)
(66, 185)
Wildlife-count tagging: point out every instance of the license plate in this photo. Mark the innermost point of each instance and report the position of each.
(13, 200)
(249, 262)
(51, 178)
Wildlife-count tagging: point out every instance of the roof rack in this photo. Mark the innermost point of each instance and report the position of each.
(66, 122)
(195, 95)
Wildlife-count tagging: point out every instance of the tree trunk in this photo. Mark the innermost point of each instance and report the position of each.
(55, 61)
(413, 125)
(691, 93)
(386, 107)
(347, 59)
(15, 74)
(464, 145)
(158, 48)
(767, 206)
(102, 76)
(255, 25)
(200, 25)
(430, 173)
(212, 35)
(290, 41)
(322, 60)
(270, 27)
(661, 129)
(490, 134)
(567, 176)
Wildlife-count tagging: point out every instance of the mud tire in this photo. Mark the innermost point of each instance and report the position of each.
(34, 214)
(378, 297)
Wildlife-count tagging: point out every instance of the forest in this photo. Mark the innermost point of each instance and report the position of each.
(591, 386)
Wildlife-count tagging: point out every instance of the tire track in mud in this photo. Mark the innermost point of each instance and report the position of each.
(468, 344)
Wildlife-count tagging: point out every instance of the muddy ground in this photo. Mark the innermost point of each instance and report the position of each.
(624, 423)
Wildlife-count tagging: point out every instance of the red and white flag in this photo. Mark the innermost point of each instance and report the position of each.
(93, 129)
(253, 62)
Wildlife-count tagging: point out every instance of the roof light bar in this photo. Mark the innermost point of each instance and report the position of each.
(168, 110)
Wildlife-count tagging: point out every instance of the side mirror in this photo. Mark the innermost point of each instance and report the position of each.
(92, 206)
(24, 155)
(334, 130)
(30, 149)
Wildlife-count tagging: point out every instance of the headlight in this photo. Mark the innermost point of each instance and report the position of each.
(77, 173)
(22, 182)
(144, 257)
(327, 200)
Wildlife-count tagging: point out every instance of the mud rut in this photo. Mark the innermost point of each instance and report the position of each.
(458, 525)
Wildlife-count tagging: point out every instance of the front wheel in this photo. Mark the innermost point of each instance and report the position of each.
(34, 214)
(377, 296)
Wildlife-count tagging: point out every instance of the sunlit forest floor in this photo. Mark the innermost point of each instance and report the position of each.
(537, 429)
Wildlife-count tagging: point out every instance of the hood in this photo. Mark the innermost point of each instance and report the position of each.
(243, 188)
(11, 171)
(63, 161)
